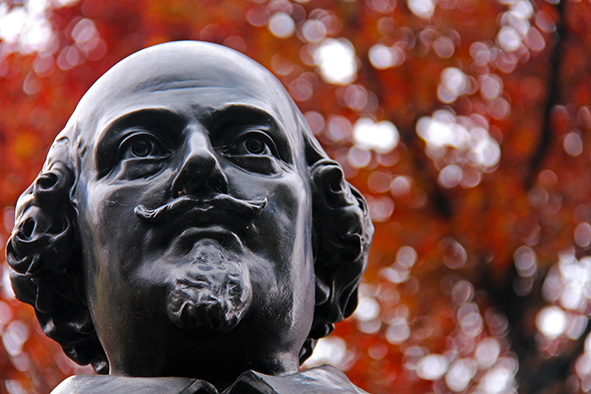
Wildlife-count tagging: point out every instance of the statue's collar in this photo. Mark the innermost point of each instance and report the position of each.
(325, 379)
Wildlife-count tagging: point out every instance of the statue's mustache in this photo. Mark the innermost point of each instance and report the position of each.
(221, 203)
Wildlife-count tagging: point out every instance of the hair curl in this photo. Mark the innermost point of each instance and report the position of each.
(46, 262)
(44, 254)
(342, 234)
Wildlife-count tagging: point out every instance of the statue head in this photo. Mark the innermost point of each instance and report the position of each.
(187, 220)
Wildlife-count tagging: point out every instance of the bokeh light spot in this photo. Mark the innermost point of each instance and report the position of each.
(380, 208)
(401, 186)
(491, 86)
(336, 59)
(84, 31)
(339, 129)
(14, 336)
(315, 121)
(331, 350)
(379, 181)
(14, 387)
(460, 374)
(6, 285)
(526, 261)
(380, 136)
(509, 39)
(422, 8)
(453, 84)
(383, 57)
(454, 254)
(450, 176)
(257, 16)
(5, 314)
(551, 321)
(406, 256)
(12, 24)
(573, 144)
(358, 157)
(314, 30)
(432, 367)
(462, 292)
(444, 47)
(281, 25)
(583, 234)
(534, 40)
(487, 352)
(368, 309)
(398, 331)
(301, 89)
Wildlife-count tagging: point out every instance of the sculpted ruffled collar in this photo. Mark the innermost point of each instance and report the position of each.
(325, 379)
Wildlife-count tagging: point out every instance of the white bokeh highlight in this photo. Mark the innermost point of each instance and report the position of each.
(380, 136)
(336, 60)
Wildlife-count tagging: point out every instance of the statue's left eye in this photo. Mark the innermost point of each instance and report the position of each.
(255, 143)
(255, 146)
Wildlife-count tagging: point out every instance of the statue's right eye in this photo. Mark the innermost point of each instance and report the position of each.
(142, 146)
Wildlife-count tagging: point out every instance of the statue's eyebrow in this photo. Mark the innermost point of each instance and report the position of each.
(151, 118)
(168, 125)
(222, 123)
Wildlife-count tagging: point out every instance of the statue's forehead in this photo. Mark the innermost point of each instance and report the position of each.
(188, 100)
(187, 77)
(184, 65)
(192, 94)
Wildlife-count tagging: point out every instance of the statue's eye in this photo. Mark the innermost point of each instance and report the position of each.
(255, 143)
(255, 146)
(142, 145)
(253, 150)
(142, 148)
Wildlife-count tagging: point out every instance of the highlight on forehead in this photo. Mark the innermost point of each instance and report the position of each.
(187, 65)
(184, 65)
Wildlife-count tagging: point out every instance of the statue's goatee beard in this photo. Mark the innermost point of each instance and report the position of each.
(214, 293)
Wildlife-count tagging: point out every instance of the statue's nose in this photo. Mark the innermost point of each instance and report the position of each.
(201, 172)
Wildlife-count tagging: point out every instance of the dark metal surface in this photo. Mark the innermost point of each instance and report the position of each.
(187, 223)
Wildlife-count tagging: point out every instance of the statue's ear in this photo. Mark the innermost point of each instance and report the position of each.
(342, 236)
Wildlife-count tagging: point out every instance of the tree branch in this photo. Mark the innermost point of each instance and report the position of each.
(553, 97)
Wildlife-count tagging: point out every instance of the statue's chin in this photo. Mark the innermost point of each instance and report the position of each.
(213, 295)
(193, 308)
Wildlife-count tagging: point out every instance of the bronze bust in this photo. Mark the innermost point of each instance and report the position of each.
(187, 234)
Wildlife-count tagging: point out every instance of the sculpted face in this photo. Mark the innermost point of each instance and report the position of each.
(194, 211)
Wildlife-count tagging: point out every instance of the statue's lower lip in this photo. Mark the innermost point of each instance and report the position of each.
(184, 241)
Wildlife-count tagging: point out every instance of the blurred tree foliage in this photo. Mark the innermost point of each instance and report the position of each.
(464, 122)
